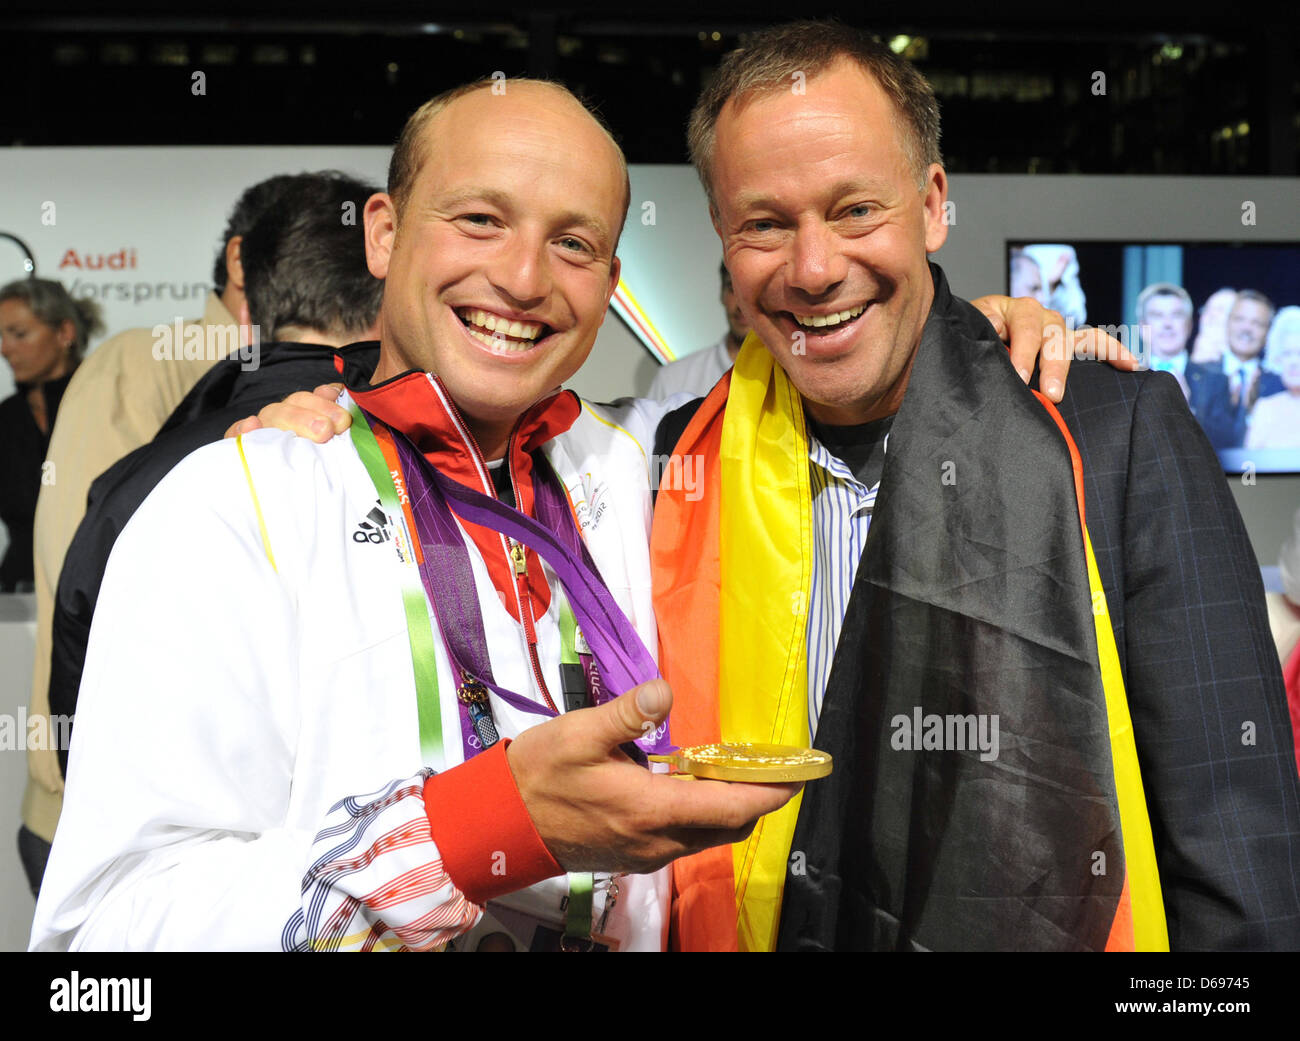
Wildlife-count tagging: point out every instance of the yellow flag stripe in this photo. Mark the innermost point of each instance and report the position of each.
(765, 521)
(1149, 928)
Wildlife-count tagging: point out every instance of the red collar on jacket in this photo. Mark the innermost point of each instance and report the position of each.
(417, 404)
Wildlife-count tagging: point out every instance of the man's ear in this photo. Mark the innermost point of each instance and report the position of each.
(936, 210)
(615, 269)
(234, 263)
(381, 229)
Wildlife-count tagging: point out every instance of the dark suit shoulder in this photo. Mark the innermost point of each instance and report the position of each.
(1099, 403)
(1095, 383)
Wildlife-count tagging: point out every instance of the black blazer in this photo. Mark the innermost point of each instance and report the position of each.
(970, 598)
(1205, 687)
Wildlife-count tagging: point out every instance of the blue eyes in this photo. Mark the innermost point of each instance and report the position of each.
(765, 226)
(569, 243)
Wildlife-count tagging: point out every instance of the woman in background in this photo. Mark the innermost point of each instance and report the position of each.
(43, 332)
(1275, 421)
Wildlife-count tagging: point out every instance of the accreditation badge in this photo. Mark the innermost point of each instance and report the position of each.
(534, 919)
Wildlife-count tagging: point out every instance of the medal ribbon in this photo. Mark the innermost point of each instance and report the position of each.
(419, 632)
(446, 574)
(620, 658)
(616, 646)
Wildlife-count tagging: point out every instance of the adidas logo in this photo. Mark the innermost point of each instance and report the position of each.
(374, 528)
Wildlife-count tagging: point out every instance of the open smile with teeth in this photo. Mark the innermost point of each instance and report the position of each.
(502, 335)
(825, 323)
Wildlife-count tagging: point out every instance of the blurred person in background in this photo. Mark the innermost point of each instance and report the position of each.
(1248, 380)
(1026, 277)
(43, 333)
(117, 402)
(1275, 423)
(1212, 333)
(1062, 289)
(1165, 317)
(309, 290)
(697, 373)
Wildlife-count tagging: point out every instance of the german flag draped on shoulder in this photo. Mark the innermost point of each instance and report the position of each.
(976, 602)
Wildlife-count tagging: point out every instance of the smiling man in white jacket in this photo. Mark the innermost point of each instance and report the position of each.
(248, 769)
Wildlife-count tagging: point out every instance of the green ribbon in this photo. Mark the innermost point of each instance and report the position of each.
(568, 631)
(424, 660)
(577, 912)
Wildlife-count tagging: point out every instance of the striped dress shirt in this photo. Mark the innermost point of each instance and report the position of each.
(841, 516)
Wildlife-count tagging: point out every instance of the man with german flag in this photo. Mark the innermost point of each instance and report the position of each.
(1073, 580)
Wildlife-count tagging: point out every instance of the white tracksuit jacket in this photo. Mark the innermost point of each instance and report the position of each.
(245, 770)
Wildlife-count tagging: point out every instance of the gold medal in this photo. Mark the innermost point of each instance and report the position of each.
(762, 764)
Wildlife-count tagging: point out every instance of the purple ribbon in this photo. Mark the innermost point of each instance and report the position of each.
(620, 655)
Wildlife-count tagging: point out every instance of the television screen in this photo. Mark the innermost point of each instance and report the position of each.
(1222, 318)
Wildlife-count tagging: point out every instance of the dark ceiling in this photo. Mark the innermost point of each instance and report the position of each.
(1188, 91)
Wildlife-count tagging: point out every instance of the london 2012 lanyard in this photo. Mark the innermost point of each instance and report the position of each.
(424, 512)
(579, 674)
(616, 646)
(378, 454)
(620, 658)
